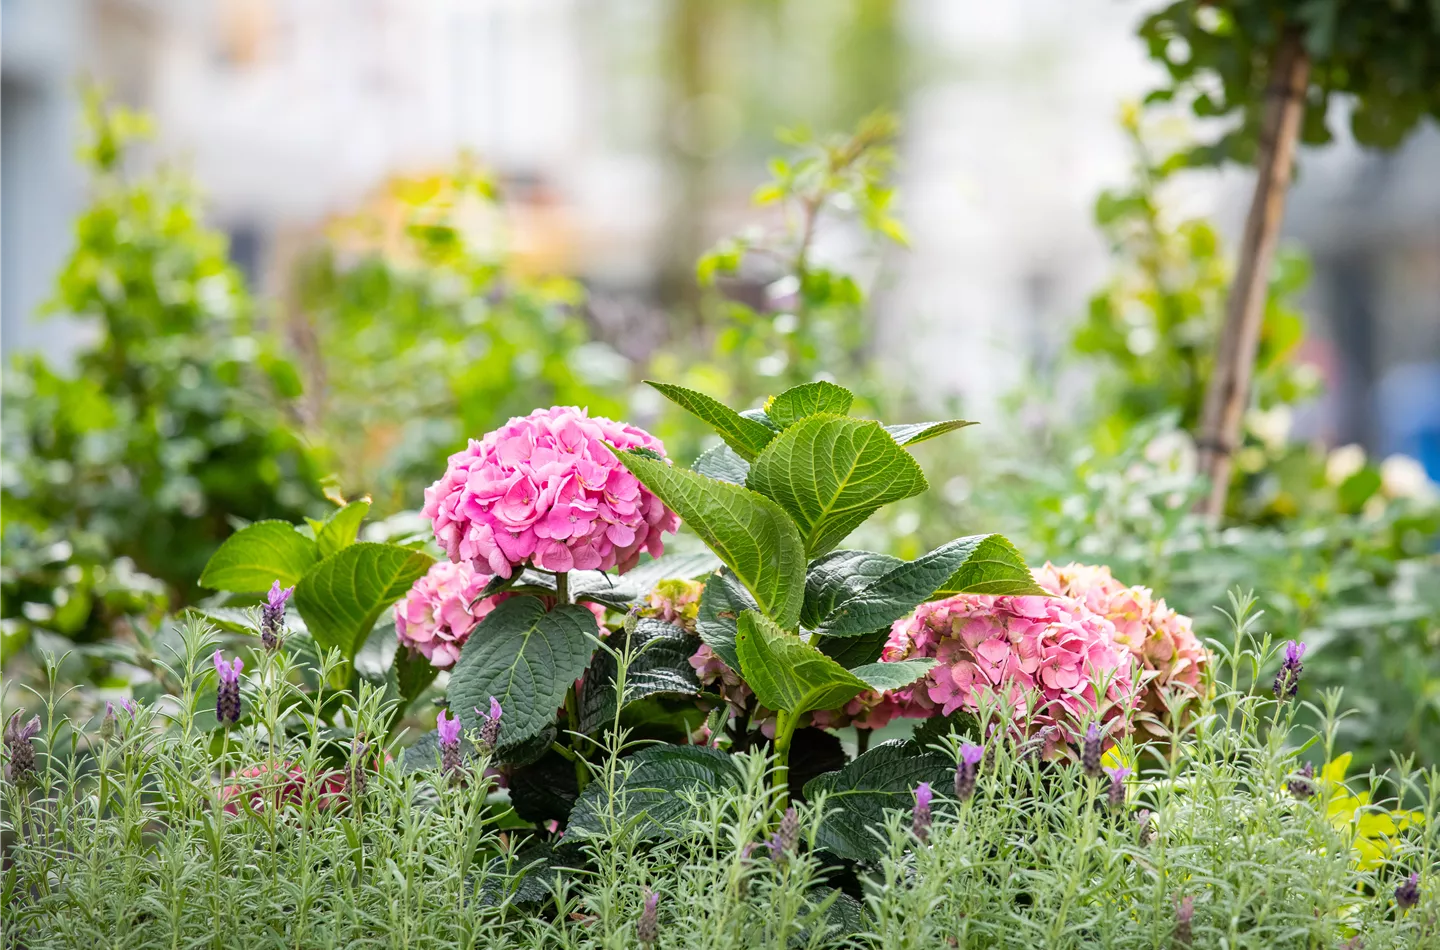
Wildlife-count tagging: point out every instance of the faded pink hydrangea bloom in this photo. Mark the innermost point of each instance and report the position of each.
(1162, 640)
(438, 613)
(1050, 659)
(675, 601)
(545, 490)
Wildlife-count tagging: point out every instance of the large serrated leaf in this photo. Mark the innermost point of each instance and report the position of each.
(831, 473)
(746, 436)
(526, 657)
(659, 665)
(808, 399)
(910, 433)
(837, 577)
(879, 602)
(340, 530)
(259, 554)
(652, 791)
(721, 604)
(789, 674)
(995, 567)
(721, 463)
(342, 597)
(857, 796)
(750, 533)
(896, 675)
(851, 652)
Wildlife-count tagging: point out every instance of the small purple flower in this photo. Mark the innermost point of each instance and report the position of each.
(1302, 784)
(490, 725)
(1115, 795)
(1287, 680)
(1184, 914)
(272, 615)
(227, 694)
(921, 816)
(451, 761)
(786, 837)
(130, 706)
(1407, 895)
(1090, 751)
(647, 927)
(967, 770)
(19, 744)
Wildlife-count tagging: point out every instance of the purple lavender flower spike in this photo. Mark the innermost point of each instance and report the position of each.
(1287, 680)
(1184, 914)
(451, 761)
(20, 767)
(227, 694)
(967, 770)
(1407, 895)
(108, 721)
(647, 928)
(272, 615)
(490, 725)
(1090, 751)
(786, 837)
(921, 816)
(1302, 785)
(1116, 793)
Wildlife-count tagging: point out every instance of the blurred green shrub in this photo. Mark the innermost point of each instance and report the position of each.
(417, 331)
(122, 476)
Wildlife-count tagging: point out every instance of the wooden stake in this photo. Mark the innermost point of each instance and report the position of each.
(1229, 392)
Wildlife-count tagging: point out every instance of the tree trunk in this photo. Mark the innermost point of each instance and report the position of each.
(1229, 392)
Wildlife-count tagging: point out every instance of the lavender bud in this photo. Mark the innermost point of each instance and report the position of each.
(1407, 895)
(921, 816)
(647, 927)
(1302, 784)
(18, 743)
(1115, 794)
(967, 769)
(1354, 943)
(227, 694)
(786, 837)
(1146, 821)
(1287, 680)
(109, 722)
(272, 616)
(1184, 913)
(359, 748)
(1090, 751)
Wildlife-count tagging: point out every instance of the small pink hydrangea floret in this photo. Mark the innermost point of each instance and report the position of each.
(545, 490)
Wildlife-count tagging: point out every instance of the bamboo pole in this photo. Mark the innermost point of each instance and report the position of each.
(1229, 391)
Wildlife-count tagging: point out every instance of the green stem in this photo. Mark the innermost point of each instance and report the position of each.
(572, 706)
(784, 731)
(562, 586)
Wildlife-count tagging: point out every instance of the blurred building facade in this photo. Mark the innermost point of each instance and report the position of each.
(637, 128)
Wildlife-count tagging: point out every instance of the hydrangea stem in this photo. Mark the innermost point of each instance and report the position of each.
(784, 730)
(572, 705)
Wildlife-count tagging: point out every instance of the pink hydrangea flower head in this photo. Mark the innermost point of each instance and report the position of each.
(1161, 640)
(437, 615)
(545, 490)
(1049, 659)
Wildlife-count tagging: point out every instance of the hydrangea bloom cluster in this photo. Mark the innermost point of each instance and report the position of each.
(438, 613)
(1053, 661)
(545, 490)
(1160, 639)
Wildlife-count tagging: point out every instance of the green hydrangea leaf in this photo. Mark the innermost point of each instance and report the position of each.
(526, 657)
(340, 530)
(789, 674)
(654, 792)
(808, 399)
(259, 554)
(910, 433)
(857, 796)
(751, 534)
(342, 597)
(746, 436)
(995, 567)
(831, 473)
